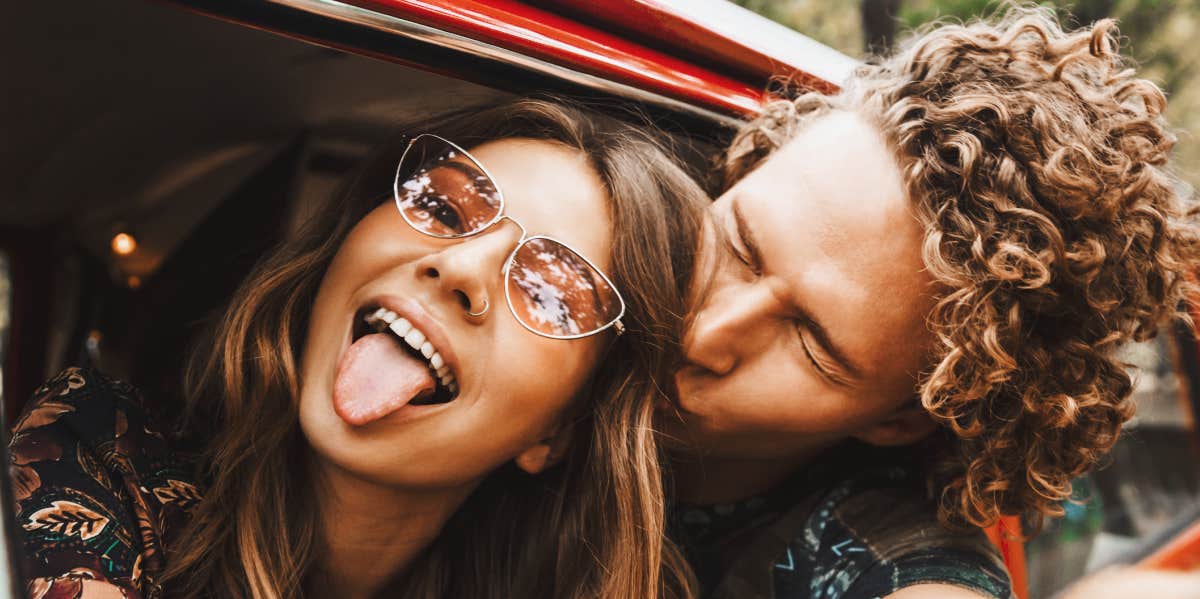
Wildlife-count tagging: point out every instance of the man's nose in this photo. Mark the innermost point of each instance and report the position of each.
(731, 325)
(469, 271)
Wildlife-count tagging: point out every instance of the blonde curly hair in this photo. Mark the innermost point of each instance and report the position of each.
(1037, 163)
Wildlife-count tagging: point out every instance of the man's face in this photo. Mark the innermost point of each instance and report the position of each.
(813, 328)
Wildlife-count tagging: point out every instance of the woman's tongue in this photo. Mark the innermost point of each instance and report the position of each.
(376, 377)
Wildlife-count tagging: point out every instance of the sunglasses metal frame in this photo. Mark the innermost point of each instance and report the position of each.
(615, 323)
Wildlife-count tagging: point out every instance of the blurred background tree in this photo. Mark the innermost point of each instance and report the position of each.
(1160, 35)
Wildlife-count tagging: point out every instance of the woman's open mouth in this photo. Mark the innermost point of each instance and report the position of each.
(389, 364)
(372, 320)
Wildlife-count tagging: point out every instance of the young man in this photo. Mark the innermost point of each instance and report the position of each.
(919, 285)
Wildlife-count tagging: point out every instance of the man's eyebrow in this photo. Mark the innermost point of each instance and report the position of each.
(747, 234)
(849, 369)
(816, 329)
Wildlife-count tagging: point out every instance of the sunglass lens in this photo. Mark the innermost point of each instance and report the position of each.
(556, 292)
(441, 191)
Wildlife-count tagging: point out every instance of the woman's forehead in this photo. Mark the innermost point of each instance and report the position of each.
(551, 189)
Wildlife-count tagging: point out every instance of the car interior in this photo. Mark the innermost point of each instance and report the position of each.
(200, 140)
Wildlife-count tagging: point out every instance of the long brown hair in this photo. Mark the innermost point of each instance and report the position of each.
(592, 527)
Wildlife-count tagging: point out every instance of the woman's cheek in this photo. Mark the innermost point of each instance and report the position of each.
(545, 373)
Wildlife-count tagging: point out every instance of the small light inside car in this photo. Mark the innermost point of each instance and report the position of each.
(133, 281)
(123, 244)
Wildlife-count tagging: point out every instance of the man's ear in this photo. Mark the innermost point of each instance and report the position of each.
(546, 452)
(904, 427)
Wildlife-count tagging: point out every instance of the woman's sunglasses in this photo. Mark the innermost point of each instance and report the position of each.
(552, 290)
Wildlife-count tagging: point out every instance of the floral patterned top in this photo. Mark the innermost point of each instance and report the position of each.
(856, 524)
(99, 490)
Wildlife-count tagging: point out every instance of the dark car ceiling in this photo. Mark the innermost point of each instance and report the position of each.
(132, 114)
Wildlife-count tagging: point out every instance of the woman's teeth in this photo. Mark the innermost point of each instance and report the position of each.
(383, 318)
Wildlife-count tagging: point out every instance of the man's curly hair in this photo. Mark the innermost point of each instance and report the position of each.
(1037, 163)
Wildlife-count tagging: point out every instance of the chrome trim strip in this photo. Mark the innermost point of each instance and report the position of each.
(354, 15)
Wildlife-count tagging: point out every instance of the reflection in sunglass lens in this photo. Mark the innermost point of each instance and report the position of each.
(444, 193)
(556, 292)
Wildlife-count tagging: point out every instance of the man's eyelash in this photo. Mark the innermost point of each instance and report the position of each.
(812, 359)
(808, 354)
(743, 256)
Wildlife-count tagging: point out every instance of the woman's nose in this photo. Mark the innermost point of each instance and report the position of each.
(730, 326)
(469, 271)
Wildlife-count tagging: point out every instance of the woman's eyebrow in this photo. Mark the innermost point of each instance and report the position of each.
(462, 166)
(820, 334)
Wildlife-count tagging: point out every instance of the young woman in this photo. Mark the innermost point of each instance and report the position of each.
(443, 388)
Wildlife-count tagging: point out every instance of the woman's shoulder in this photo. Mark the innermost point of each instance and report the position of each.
(84, 417)
(86, 407)
(84, 400)
(99, 488)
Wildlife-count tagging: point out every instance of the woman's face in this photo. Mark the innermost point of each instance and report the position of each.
(364, 397)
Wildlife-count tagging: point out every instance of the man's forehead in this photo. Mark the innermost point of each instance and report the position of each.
(835, 190)
(832, 220)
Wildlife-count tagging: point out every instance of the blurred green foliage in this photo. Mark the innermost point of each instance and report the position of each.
(1160, 35)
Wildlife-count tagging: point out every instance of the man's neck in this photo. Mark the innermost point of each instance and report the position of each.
(711, 480)
(372, 532)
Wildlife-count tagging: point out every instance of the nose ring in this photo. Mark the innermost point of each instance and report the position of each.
(481, 312)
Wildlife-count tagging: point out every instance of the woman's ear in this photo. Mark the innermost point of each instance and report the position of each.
(904, 427)
(546, 452)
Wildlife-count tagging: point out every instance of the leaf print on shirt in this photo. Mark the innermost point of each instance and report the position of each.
(47, 412)
(67, 518)
(25, 481)
(29, 445)
(105, 457)
(117, 456)
(93, 468)
(136, 575)
(34, 446)
(75, 380)
(117, 453)
(179, 492)
(63, 383)
(23, 450)
(79, 583)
